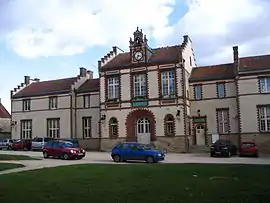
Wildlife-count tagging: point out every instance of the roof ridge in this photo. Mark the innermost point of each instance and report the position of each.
(245, 57)
(56, 79)
(207, 66)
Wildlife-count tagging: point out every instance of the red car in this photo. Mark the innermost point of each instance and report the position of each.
(21, 145)
(64, 150)
(248, 148)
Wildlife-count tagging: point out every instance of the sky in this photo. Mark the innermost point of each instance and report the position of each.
(50, 39)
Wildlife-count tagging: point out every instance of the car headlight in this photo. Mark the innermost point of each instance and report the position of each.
(159, 154)
(72, 151)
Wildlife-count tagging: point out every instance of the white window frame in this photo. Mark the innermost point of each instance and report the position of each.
(26, 105)
(53, 102)
(223, 121)
(265, 84)
(26, 129)
(86, 101)
(113, 87)
(140, 86)
(87, 127)
(264, 118)
(221, 90)
(198, 92)
(53, 127)
(168, 83)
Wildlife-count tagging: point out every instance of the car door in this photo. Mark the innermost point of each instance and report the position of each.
(125, 151)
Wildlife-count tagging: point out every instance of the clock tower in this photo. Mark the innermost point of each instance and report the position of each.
(139, 49)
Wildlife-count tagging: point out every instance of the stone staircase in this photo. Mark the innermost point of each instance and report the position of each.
(199, 149)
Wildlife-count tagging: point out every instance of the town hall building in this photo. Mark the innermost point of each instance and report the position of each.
(150, 95)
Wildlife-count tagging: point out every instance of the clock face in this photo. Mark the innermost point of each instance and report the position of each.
(138, 55)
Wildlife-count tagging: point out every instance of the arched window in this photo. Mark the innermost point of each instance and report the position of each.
(169, 125)
(113, 127)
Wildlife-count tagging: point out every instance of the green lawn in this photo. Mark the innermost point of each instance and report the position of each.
(6, 166)
(157, 183)
(5, 157)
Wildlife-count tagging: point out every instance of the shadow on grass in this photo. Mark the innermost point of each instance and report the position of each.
(7, 166)
(10, 157)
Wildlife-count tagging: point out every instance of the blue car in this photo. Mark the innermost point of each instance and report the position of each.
(135, 151)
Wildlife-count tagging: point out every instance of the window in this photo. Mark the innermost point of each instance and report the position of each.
(26, 105)
(87, 127)
(53, 102)
(168, 83)
(198, 92)
(264, 118)
(86, 101)
(190, 61)
(140, 88)
(53, 127)
(223, 121)
(169, 125)
(113, 127)
(221, 90)
(113, 88)
(26, 129)
(265, 84)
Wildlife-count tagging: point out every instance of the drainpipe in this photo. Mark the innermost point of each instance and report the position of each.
(75, 113)
(185, 105)
(71, 116)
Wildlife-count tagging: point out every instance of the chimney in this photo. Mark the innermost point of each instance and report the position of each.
(11, 93)
(27, 80)
(236, 59)
(90, 73)
(37, 79)
(115, 50)
(83, 72)
(0, 100)
(186, 38)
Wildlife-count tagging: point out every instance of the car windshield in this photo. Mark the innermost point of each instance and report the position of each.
(248, 144)
(70, 145)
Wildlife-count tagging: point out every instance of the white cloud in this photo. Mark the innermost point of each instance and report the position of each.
(68, 27)
(216, 25)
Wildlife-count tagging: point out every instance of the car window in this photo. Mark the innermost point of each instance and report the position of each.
(4, 140)
(47, 139)
(124, 146)
(136, 147)
(248, 144)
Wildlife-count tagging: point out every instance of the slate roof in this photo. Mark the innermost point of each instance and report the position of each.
(46, 87)
(91, 85)
(162, 54)
(3, 112)
(214, 72)
(255, 63)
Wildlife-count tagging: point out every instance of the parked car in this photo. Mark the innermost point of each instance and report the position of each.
(63, 149)
(21, 145)
(248, 148)
(135, 151)
(39, 142)
(223, 148)
(6, 143)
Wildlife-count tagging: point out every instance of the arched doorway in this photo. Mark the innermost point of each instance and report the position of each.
(200, 135)
(143, 131)
(140, 126)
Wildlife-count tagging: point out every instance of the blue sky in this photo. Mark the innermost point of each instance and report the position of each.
(51, 39)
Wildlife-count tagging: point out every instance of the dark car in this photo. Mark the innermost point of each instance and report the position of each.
(135, 151)
(21, 145)
(248, 148)
(63, 149)
(223, 148)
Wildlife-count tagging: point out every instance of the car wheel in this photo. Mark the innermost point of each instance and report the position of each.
(45, 155)
(116, 158)
(65, 156)
(256, 155)
(212, 154)
(150, 159)
(9, 147)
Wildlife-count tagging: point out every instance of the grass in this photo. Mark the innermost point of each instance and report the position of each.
(10, 157)
(149, 183)
(6, 166)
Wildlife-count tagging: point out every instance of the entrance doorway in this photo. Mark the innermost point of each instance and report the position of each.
(143, 131)
(200, 135)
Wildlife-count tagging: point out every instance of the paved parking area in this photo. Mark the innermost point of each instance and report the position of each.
(103, 157)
